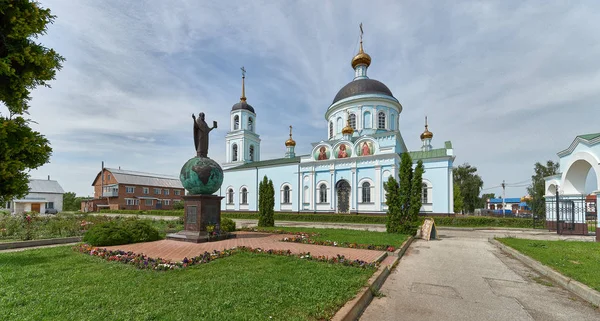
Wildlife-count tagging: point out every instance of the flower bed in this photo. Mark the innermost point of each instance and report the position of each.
(305, 238)
(142, 261)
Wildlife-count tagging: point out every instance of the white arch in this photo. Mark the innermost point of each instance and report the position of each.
(282, 193)
(241, 194)
(227, 199)
(575, 175)
(429, 185)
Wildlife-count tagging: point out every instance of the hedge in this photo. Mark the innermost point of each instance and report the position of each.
(458, 221)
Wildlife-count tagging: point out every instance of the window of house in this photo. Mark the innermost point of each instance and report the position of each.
(158, 202)
(50, 205)
(286, 194)
(366, 192)
(353, 121)
(177, 192)
(236, 122)
(234, 154)
(166, 191)
(137, 201)
(7, 205)
(251, 153)
(157, 191)
(424, 196)
(109, 177)
(250, 123)
(381, 120)
(130, 201)
(146, 190)
(330, 130)
(167, 202)
(129, 189)
(244, 196)
(323, 193)
(230, 196)
(367, 119)
(148, 202)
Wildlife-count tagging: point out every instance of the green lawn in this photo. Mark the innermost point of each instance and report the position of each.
(60, 284)
(577, 260)
(350, 236)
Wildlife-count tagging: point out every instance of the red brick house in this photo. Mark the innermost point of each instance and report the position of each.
(118, 189)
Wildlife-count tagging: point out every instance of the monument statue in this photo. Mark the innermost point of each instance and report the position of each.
(201, 131)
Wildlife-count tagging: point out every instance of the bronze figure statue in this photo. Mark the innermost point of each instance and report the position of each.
(201, 131)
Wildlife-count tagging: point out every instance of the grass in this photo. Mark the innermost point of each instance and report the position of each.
(60, 284)
(350, 236)
(577, 260)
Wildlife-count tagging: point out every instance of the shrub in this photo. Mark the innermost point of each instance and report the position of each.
(227, 225)
(120, 232)
(178, 205)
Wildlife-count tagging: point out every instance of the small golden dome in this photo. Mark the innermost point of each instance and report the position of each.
(426, 133)
(348, 130)
(290, 142)
(361, 58)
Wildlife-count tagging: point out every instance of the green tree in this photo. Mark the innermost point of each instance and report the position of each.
(416, 193)
(21, 148)
(392, 200)
(70, 202)
(24, 65)
(266, 202)
(470, 185)
(406, 173)
(537, 189)
(484, 198)
(458, 200)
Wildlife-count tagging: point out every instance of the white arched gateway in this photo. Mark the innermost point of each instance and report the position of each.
(574, 207)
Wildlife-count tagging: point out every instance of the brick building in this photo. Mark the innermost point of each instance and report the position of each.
(118, 189)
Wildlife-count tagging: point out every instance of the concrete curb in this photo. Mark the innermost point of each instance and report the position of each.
(353, 309)
(18, 245)
(581, 290)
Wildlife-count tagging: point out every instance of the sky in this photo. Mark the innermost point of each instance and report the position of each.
(510, 83)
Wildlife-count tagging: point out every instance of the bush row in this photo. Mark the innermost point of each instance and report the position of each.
(149, 212)
(120, 232)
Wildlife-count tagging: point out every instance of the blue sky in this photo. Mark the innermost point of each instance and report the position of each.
(508, 82)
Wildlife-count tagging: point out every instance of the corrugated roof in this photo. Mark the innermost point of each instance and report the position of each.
(45, 186)
(416, 155)
(506, 200)
(270, 162)
(148, 179)
(589, 136)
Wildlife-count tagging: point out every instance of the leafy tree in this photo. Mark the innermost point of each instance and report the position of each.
(392, 200)
(179, 205)
(470, 185)
(484, 198)
(21, 148)
(537, 189)
(416, 192)
(458, 200)
(24, 65)
(266, 202)
(70, 202)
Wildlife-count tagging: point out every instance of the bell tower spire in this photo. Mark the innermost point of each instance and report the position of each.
(243, 97)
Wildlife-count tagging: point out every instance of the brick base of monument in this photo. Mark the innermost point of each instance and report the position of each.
(201, 211)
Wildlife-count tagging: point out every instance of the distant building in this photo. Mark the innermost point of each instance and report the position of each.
(43, 194)
(118, 189)
(512, 205)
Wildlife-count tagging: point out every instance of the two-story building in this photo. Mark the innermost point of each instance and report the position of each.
(118, 189)
(43, 194)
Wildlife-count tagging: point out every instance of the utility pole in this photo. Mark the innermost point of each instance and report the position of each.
(503, 198)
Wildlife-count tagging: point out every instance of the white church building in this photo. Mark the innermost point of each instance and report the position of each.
(346, 171)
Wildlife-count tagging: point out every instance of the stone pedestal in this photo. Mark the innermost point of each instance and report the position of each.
(199, 212)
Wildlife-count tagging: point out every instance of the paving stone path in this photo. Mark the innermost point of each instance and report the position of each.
(177, 250)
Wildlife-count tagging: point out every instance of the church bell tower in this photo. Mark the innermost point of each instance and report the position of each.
(242, 142)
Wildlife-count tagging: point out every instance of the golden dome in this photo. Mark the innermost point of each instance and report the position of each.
(290, 142)
(426, 133)
(347, 130)
(361, 58)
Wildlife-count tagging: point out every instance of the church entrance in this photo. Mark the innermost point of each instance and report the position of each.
(343, 196)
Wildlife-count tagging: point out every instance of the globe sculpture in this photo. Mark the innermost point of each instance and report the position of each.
(201, 176)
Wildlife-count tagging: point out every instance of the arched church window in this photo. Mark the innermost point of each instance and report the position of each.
(230, 196)
(323, 193)
(234, 153)
(367, 119)
(339, 124)
(244, 196)
(330, 130)
(381, 120)
(366, 192)
(251, 153)
(236, 122)
(250, 123)
(353, 121)
(424, 196)
(286, 194)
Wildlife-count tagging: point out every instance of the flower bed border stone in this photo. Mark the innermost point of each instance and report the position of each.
(42, 242)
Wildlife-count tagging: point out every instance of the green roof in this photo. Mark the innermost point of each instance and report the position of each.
(589, 136)
(434, 153)
(269, 162)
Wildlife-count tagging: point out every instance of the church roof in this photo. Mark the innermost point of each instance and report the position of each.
(243, 105)
(589, 136)
(269, 162)
(360, 87)
(434, 153)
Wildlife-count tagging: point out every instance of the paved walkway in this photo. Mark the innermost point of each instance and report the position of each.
(464, 277)
(177, 250)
